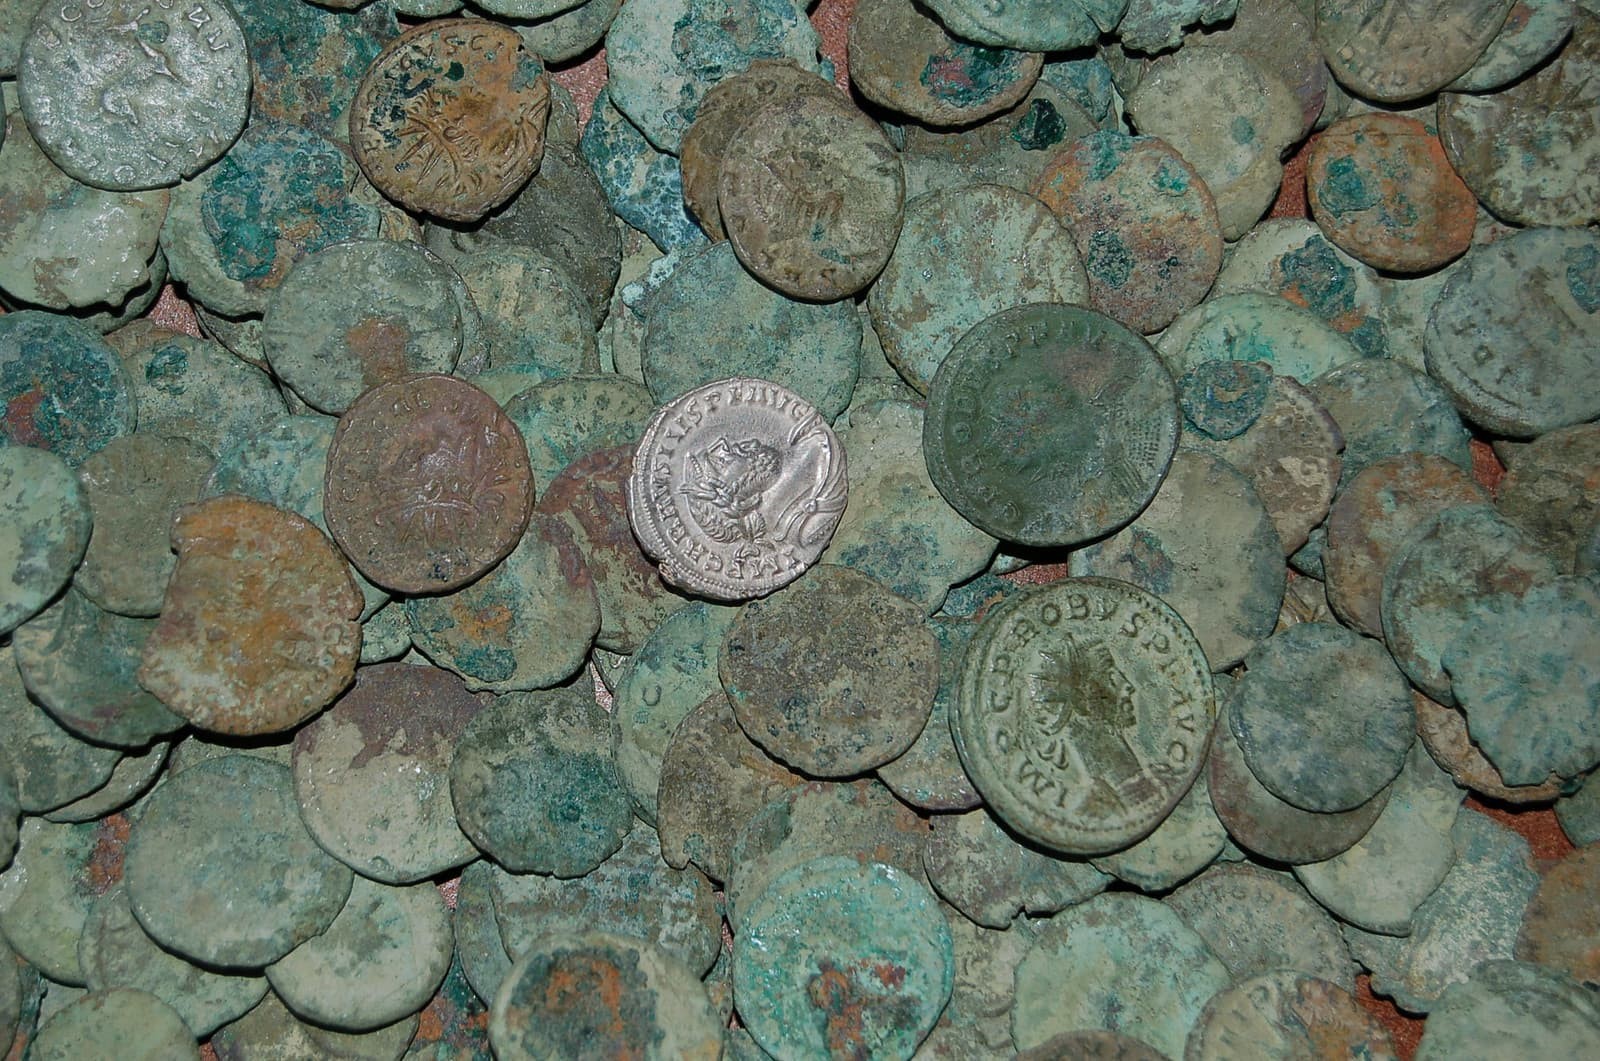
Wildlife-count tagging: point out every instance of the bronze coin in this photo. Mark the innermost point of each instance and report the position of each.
(427, 484)
(1401, 50)
(450, 118)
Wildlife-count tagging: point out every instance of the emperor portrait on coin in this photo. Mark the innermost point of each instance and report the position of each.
(737, 487)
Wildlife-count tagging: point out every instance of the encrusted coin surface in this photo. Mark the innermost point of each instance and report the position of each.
(47, 525)
(1083, 713)
(736, 488)
(427, 484)
(1050, 425)
(125, 95)
(1404, 49)
(1284, 1014)
(450, 118)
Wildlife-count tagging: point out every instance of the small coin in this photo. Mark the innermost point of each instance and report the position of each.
(427, 484)
(736, 488)
(1058, 463)
(1084, 712)
(1405, 49)
(450, 118)
(123, 97)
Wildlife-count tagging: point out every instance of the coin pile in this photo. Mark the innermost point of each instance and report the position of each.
(946, 538)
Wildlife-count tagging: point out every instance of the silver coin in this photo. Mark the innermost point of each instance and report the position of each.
(737, 487)
(131, 94)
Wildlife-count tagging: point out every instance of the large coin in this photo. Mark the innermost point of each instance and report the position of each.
(427, 484)
(126, 95)
(1050, 425)
(737, 487)
(1083, 713)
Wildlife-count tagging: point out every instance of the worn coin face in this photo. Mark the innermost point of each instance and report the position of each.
(1083, 713)
(126, 95)
(427, 484)
(450, 118)
(736, 489)
(1050, 425)
(1404, 49)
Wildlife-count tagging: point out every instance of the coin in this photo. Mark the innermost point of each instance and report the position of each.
(1285, 1014)
(1084, 712)
(450, 118)
(736, 488)
(427, 484)
(1404, 49)
(1050, 425)
(123, 97)
(48, 525)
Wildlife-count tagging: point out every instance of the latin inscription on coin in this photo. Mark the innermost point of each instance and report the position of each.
(737, 487)
(130, 94)
(450, 118)
(1083, 713)
(427, 484)
(1399, 50)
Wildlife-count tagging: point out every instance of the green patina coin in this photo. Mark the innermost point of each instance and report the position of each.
(842, 957)
(18, 14)
(713, 779)
(45, 258)
(1323, 717)
(371, 772)
(356, 314)
(526, 624)
(1472, 916)
(1443, 730)
(1284, 1015)
(1256, 920)
(633, 893)
(1513, 335)
(1506, 1009)
(1378, 883)
(47, 525)
(455, 1024)
(1044, 25)
(1533, 32)
(965, 254)
(566, 419)
(135, 485)
(1258, 327)
(1279, 35)
(711, 319)
(1083, 714)
(904, 60)
(1408, 52)
(991, 876)
(1206, 546)
(193, 389)
(928, 775)
(134, 775)
(271, 1033)
(1446, 565)
(1188, 841)
(861, 820)
(479, 949)
(535, 324)
(1385, 408)
(833, 674)
(50, 766)
(671, 673)
(281, 192)
(306, 59)
(115, 952)
(1528, 152)
(81, 662)
(63, 389)
(1119, 962)
(898, 528)
(1236, 141)
(603, 995)
(385, 635)
(221, 869)
(1223, 399)
(46, 894)
(1525, 669)
(1552, 489)
(1050, 425)
(380, 960)
(643, 185)
(1157, 25)
(119, 1022)
(534, 784)
(571, 33)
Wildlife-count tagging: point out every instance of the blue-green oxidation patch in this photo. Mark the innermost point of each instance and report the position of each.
(970, 74)
(1344, 190)
(1040, 128)
(1241, 129)
(1170, 179)
(1583, 276)
(1327, 284)
(1108, 259)
(1107, 149)
(1221, 399)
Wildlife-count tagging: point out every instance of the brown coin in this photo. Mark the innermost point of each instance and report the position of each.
(259, 628)
(1444, 732)
(1400, 50)
(427, 484)
(1373, 517)
(811, 193)
(720, 115)
(1380, 187)
(449, 119)
(1561, 927)
(1281, 1015)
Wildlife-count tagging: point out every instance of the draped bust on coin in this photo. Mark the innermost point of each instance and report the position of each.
(737, 487)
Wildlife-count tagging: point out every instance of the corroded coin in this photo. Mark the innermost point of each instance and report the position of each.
(736, 488)
(811, 194)
(450, 118)
(1284, 1014)
(127, 95)
(1404, 49)
(427, 484)
(1083, 713)
(47, 525)
(1050, 425)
